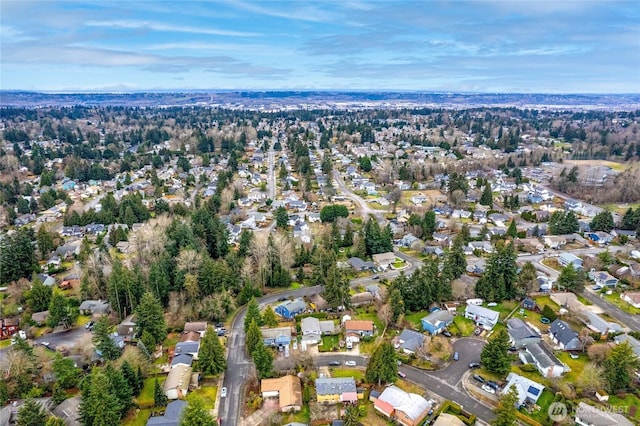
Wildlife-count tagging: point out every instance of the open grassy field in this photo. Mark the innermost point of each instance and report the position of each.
(415, 317)
(626, 403)
(618, 167)
(541, 415)
(208, 394)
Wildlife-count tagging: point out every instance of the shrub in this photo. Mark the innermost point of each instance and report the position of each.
(528, 368)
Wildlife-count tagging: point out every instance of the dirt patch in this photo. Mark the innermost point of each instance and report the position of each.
(323, 413)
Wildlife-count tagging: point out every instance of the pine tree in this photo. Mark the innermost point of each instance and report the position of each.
(619, 367)
(55, 421)
(60, 311)
(397, 304)
(254, 337)
(58, 394)
(428, 225)
(211, 360)
(102, 339)
(196, 414)
(382, 367)
(495, 354)
(130, 376)
(159, 397)
(31, 414)
(455, 262)
(512, 231)
(571, 279)
(506, 410)
(252, 314)
(486, 199)
(602, 222)
(99, 406)
(150, 318)
(269, 316)
(263, 359)
(351, 415)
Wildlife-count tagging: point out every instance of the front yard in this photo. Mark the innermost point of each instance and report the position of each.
(329, 344)
(614, 299)
(356, 373)
(462, 326)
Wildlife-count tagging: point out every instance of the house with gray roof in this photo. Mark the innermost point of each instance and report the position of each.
(291, 308)
(336, 389)
(598, 324)
(566, 259)
(633, 342)
(588, 415)
(280, 336)
(171, 416)
(191, 348)
(521, 334)
(528, 390)
(483, 317)
(437, 321)
(94, 307)
(563, 335)
(409, 341)
(311, 331)
(182, 359)
(547, 364)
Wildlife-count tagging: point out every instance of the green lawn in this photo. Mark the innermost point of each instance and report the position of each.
(542, 415)
(415, 317)
(208, 394)
(303, 416)
(371, 315)
(504, 308)
(614, 299)
(171, 340)
(82, 320)
(464, 326)
(328, 343)
(139, 420)
(629, 400)
(146, 399)
(583, 300)
(576, 365)
(357, 374)
(5, 343)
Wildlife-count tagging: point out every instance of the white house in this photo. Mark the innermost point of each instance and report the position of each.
(632, 298)
(311, 330)
(483, 317)
(546, 362)
(528, 390)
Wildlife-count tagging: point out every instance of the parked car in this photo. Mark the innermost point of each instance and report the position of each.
(334, 363)
(478, 378)
(574, 356)
(477, 331)
(282, 299)
(376, 277)
(493, 385)
(488, 389)
(350, 363)
(474, 365)
(446, 333)
(401, 374)
(223, 393)
(89, 325)
(455, 356)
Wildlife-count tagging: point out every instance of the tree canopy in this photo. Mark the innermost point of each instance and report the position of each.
(382, 366)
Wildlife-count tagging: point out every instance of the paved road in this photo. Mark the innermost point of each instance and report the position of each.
(365, 209)
(64, 338)
(271, 175)
(628, 320)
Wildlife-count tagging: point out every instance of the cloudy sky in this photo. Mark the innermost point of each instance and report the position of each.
(561, 46)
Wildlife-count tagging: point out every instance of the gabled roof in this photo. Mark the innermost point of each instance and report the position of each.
(335, 385)
(411, 404)
(483, 312)
(411, 340)
(597, 417)
(526, 388)
(289, 389)
(195, 326)
(518, 329)
(273, 333)
(171, 416)
(182, 358)
(438, 316)
(361, 325)
(543, 355)
(562, 331)
(187, 347)
(310, 324)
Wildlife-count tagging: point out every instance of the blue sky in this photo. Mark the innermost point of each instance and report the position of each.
(482, 46)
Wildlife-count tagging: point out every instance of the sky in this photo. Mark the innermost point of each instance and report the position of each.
(561, 46)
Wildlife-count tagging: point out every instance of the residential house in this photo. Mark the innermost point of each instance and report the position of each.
(364, 298)
(408, 409)
(409, 240)
(291, 308)
(437, 321)
(409, 341)
(602, 279)
(127, 329)
(528, 390)
(546, 362)
(617, 233)
(483, 317)
(287, 389)
(332, 390)
(360, 265)
(8, 327)
(563, 335)
(54, 261)
(522, 334)
(177, 384)
(441, 238)
(499, 219)
(632, 298)
(183, 359)
(433, 250)
(484, 246)
(384, 260)
(529, 304)
(555, 241)
(317, 302)
(311, 330)
(46, 279)
(588, 415)
(598, 324)
(94, 307)
(68, 410)
(356, 329)
(172, 414)
(190, 336)
(566, 259)
(633, 342)
(191, 348)
(419, 199)
(277, 337)
(569, 301)
(600, 237)
(196, 326)
(40, 318)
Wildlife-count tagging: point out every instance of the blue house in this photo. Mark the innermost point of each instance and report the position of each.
(566, 259)
(436, 321)
(291, 308)
(276, 337)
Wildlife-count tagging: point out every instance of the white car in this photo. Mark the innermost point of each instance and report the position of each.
(223, 393)
(350, 363)
(488, 389)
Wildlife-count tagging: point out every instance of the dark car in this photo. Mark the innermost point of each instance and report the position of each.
(493, 385)
(478, 378)
(334, 363)
(474, 365)
(377, 277)
(446, 333)
(282, 299)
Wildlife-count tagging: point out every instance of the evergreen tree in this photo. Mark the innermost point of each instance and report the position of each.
(506, 410)
(150, 318)
(512, 231)
(282, 217)
(360, 249)
(619, 367)
(159, 397)
(347, 239)
(17, 256)
(196, 414)
(252, 314)
(102, 339)
(495, 354)
(382, 366)
(40, 296)
(130, 376)
(263, 359)
(31, 413)
(211, 359)
(269, 316)
(58, 394)
(603, 221)
(336, 288)
(66, 372)
(499, 281)
(428, 225)
(100, 405)
(254, 337)
(571, 279)
(120, 388)
(60, 312)
(351, 415)
(455, 262)
(397, 304)
(4, 392)
(527, 278)
(55, 421)
(486, 199)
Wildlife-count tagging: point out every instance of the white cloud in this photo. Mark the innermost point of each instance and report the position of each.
(159, 26)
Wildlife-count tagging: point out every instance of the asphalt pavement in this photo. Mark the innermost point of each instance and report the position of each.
(627, 320)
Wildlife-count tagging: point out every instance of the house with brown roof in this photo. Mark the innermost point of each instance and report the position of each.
(356, 329)
(190, 336)
(287, 389)
(198, 327)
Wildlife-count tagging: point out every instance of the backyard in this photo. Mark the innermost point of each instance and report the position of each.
(541, 415)
(462, 326)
